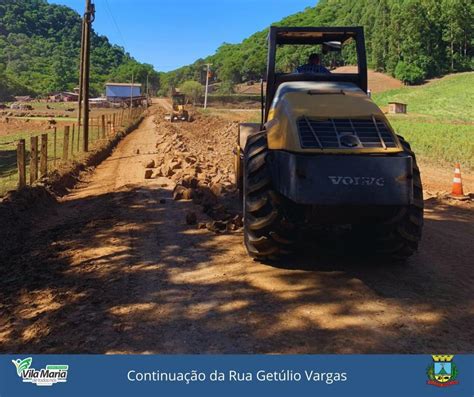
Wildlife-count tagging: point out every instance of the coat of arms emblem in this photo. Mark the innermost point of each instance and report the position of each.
(443, 371)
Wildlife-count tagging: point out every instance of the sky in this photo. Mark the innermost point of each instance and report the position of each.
(172, 33)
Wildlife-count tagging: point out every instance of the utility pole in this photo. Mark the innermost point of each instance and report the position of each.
(207, 83)
(147, 93)
(147, 82)
(89, 16)
(81, 82)
(131, 98)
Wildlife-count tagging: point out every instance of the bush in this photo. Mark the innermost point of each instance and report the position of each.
(226, 88)
(192, 89)
(409, 73)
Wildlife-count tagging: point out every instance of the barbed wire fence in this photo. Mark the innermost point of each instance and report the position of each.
(32, 156)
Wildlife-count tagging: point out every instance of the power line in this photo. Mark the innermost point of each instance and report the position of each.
(109, 10)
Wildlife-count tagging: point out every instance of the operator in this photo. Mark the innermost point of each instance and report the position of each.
(313, 66)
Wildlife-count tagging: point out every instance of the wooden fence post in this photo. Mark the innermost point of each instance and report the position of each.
(113, 124)
(72, 139)
(55, 145)
(34, 160)
(44, 155)
(21, 163)
(66, 143)
(91, 135)
(78, 138)
(103, 126)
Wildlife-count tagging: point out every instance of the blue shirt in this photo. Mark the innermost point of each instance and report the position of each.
(310, 68)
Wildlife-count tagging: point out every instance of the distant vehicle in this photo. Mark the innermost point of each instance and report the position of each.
(179, 112)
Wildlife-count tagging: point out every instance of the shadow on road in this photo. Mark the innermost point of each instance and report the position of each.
(108, 276)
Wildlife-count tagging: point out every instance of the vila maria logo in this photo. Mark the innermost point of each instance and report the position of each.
(40, 377)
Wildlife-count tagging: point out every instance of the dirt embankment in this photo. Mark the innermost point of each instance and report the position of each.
(378, 82)
(120, 269)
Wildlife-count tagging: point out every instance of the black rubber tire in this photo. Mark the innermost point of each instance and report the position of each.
(398, 238)
(266, 230)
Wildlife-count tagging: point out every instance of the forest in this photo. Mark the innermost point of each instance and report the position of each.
(39, 52)
(412, 40)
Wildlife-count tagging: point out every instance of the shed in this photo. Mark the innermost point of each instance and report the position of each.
(397, 107)
(122, 91)
(63, 96)
(69, 96)
(26, 98)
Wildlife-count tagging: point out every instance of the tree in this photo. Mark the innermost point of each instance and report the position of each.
(226, 88)
(40, 45)
(415, 56)
(193, 90)
(380, 37)
(409, 73)
(394, 38)
(458, 20)
(426, 37)
(141, 73)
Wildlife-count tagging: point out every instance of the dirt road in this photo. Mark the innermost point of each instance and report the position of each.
(117, 269)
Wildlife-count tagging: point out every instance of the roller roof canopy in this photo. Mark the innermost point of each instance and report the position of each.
(314, 35)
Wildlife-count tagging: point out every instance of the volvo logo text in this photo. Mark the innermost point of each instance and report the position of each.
(357, 181)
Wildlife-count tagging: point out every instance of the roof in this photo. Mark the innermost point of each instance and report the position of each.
(397, 103)
(124, 84)
(318, 86)
(315, 35)
(123, 90)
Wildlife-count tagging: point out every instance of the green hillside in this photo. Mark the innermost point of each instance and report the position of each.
(39, 51)
(449, 98)
(410, 39)
(440, 119)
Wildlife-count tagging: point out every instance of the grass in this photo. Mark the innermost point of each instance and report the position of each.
(440, 120)
(440, 142)
(244, 115)
(57, 118)
(41, 105)
(449, 98)
(8, 158)
(9, 143)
